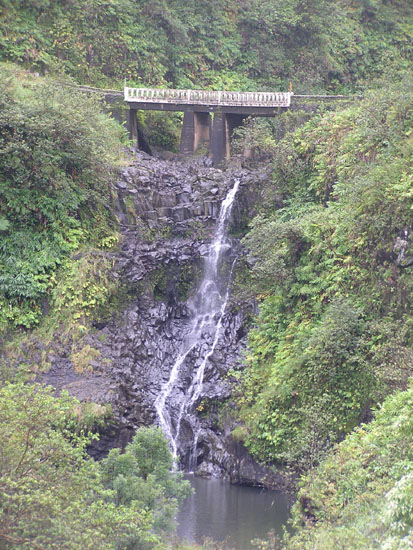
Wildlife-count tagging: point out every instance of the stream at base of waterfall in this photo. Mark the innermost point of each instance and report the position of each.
(236, 514)
(207, 308)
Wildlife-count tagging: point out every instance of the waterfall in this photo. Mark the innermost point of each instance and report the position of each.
(208, 308)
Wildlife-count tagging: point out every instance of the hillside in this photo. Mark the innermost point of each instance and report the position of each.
(331, 252)
(361, 496)
(58, 153)
(318, 45)
(332, 268)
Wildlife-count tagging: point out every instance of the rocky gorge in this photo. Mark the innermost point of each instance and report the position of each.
(168, 212)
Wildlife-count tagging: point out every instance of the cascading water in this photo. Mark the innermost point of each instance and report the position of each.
(208, 308)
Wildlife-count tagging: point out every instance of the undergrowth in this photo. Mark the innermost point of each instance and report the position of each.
(333, 278)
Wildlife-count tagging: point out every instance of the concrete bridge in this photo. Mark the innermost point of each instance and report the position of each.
(209, 116)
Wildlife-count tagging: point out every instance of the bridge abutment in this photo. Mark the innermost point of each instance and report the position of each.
(132, 125)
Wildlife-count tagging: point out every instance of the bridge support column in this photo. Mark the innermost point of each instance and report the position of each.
(135, 132)
(196, 129)
(132, 124)
(223, 126)
(219, 139)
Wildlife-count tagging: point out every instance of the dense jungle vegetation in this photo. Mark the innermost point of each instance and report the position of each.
(325, 392)
(58, 151)
(54, 496)
(332, 263)
(335, 285)
(232, 44)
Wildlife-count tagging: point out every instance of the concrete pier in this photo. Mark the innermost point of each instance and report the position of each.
(196, 131)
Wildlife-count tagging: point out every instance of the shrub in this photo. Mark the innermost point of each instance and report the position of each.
(57, 152)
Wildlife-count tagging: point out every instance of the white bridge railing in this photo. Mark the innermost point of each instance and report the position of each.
(208, 97)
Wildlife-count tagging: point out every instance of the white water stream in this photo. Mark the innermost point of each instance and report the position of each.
(208, 307)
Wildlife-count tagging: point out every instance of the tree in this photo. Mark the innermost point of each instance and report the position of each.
(143, 474)
(51, 494)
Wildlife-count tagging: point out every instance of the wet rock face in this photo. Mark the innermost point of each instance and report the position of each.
(169, 195)
(168, 212)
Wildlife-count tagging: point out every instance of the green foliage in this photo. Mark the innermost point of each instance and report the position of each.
(333, 297)
(57, 149)
(254, 138)
(53, 496)
(319, 45)
(361, 496)
(163, 129)
(317, 387)
(257, 139)
(143, 475)
(83, 285)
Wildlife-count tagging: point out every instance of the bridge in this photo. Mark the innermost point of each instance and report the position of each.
(228, 110)
(210, 117)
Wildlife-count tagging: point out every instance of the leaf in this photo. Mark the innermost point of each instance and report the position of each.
(4, 224)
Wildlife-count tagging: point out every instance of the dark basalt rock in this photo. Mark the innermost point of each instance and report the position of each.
(167, 211)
